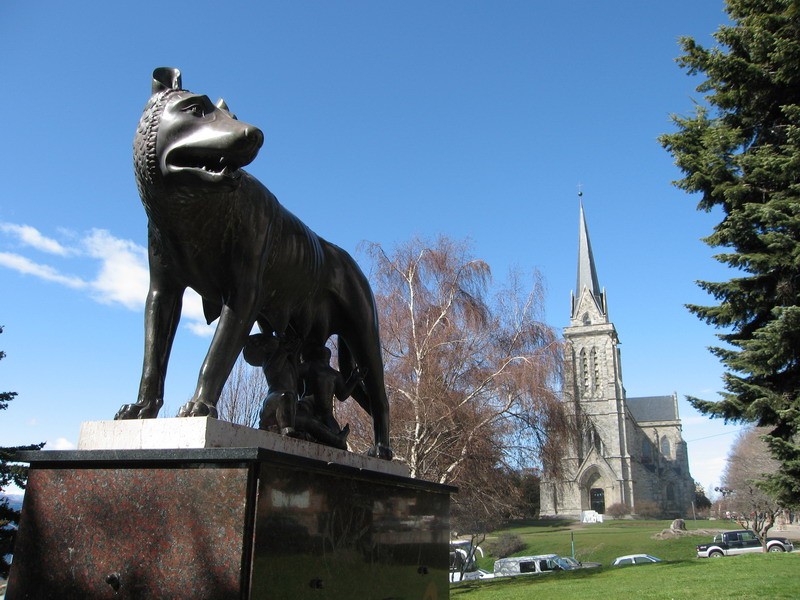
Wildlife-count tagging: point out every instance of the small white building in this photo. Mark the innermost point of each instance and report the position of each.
(631, 449)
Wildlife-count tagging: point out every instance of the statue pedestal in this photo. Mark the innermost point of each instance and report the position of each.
(276, 519)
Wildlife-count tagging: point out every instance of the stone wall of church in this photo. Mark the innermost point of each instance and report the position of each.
(662, 470)
(645, 468)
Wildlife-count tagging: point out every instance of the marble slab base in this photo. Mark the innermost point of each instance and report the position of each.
(205, 432)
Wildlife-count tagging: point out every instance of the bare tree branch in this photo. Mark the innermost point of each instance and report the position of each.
(748, 466)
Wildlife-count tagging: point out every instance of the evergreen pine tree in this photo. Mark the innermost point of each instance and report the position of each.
(10, 472)
(740, 151)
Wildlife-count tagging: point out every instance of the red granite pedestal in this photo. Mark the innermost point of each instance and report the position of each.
(221, 523)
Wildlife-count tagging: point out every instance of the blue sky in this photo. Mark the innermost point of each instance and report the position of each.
(382, 121)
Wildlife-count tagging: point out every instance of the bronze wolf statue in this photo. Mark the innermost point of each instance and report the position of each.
(215, 228)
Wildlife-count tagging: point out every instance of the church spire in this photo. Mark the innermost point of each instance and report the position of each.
(587, 272)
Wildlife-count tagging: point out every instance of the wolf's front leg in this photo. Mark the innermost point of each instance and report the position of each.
(161, 316)
(229, 338)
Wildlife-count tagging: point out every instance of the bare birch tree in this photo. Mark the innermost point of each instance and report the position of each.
(243, 395)
(748, 467)
(471, 378)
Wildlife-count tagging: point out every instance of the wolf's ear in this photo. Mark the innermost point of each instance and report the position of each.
(222, 105)
(166, 78)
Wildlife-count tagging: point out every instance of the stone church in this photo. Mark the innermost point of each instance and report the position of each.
(631, 450)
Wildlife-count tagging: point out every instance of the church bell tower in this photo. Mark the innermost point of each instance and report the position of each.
(598, 470)
(629, 451)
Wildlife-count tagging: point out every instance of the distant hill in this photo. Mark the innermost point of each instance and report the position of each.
(14, 500)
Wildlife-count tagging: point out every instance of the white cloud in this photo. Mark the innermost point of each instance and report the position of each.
(31, 236)
(28, 267)
(201, 329)
(123, 276)
(60, 444)
(193, 312)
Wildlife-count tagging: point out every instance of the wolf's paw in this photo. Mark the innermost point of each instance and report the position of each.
(197, 409)
(381, 451)
(137, 411)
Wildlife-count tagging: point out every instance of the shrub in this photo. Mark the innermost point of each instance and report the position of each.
(648, 509)
(506, 545)
(618, 510)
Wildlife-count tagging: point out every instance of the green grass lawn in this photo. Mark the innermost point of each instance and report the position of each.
(603, 542)
(682, 576)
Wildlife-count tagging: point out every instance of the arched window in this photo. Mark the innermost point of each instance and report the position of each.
(584, 365)
(591, 439)
(670, 492)
(665, 447)
(595, 368)
(647, 456)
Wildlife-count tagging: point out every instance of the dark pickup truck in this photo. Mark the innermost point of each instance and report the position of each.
(742, 541)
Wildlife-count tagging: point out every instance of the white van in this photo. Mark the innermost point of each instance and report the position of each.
(530, 565)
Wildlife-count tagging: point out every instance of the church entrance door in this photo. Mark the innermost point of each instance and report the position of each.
(597, 497)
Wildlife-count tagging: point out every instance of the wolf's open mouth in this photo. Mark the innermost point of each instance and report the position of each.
(223, 168)
(209, 168)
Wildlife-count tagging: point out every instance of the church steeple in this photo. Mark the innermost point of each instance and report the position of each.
(587, 272)
(587, 282)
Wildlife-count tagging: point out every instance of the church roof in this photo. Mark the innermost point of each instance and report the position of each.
(653, 408)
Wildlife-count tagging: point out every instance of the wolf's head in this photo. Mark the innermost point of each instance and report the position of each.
(184, 139)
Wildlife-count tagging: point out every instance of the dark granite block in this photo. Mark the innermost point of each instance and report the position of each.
(168, 532)
(327, 537)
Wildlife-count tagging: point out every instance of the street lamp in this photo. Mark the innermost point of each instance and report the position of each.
(725, 491)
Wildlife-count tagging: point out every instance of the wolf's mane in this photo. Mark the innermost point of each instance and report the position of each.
(145, 161)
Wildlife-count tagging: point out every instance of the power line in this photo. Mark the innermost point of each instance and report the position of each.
(715, 435)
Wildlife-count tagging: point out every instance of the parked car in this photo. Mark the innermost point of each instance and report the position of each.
(635, 559)
(580, 564)
(742, 541)
(530, 565)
